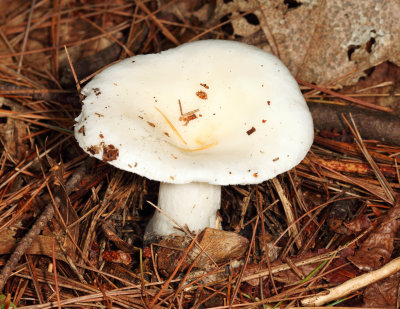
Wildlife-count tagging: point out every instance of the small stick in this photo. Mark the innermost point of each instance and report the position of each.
(26, 242)
(37, 227)
(353, 284)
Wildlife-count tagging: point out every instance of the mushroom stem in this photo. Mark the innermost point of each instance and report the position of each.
(194, 204)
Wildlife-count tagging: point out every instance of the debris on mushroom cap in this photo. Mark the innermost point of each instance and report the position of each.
(209, 111)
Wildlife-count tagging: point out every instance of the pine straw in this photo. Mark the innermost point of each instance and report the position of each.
(94, 240)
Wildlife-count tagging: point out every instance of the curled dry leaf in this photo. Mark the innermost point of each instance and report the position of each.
(220, 246)
(377, 249)
(358, 224)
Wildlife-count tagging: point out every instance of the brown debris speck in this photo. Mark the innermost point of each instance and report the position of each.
(275, 159)
(204, 85)
(251, 131)
(166, 133)
(189, 116)
(130, 166)
(110, 153)
(269, 103)
(264, 121)
(202, 95)
(82, 130)
(97, 91)
(255, 175)
(135, 164)
(99, 115)
(151, 124)
(173, 178)
(101, 135)
(187, 119)
(93, 149)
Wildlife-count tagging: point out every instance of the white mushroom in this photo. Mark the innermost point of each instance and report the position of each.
(196, 117)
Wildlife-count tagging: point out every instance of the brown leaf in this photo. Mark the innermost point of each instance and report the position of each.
(320, 41)
(252, 269)
(382, 293)
(377, 249)
(220, 246)
(358, 224)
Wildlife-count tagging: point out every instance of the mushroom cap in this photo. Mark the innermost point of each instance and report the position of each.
(213, 111)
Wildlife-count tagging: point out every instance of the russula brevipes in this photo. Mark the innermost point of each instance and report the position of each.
(196, 117)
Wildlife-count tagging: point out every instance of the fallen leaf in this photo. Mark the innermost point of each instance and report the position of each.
(377, 249)
(319, 40)
(382, 293)
(219, 246)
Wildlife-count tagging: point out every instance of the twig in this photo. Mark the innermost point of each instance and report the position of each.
(371, 124)
(353, 284)
(37, 227)
(26, 242)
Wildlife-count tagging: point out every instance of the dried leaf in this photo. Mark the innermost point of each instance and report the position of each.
(322, 40)
(377, 249)
(220, 246)
(358, 224)
(382, 293)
